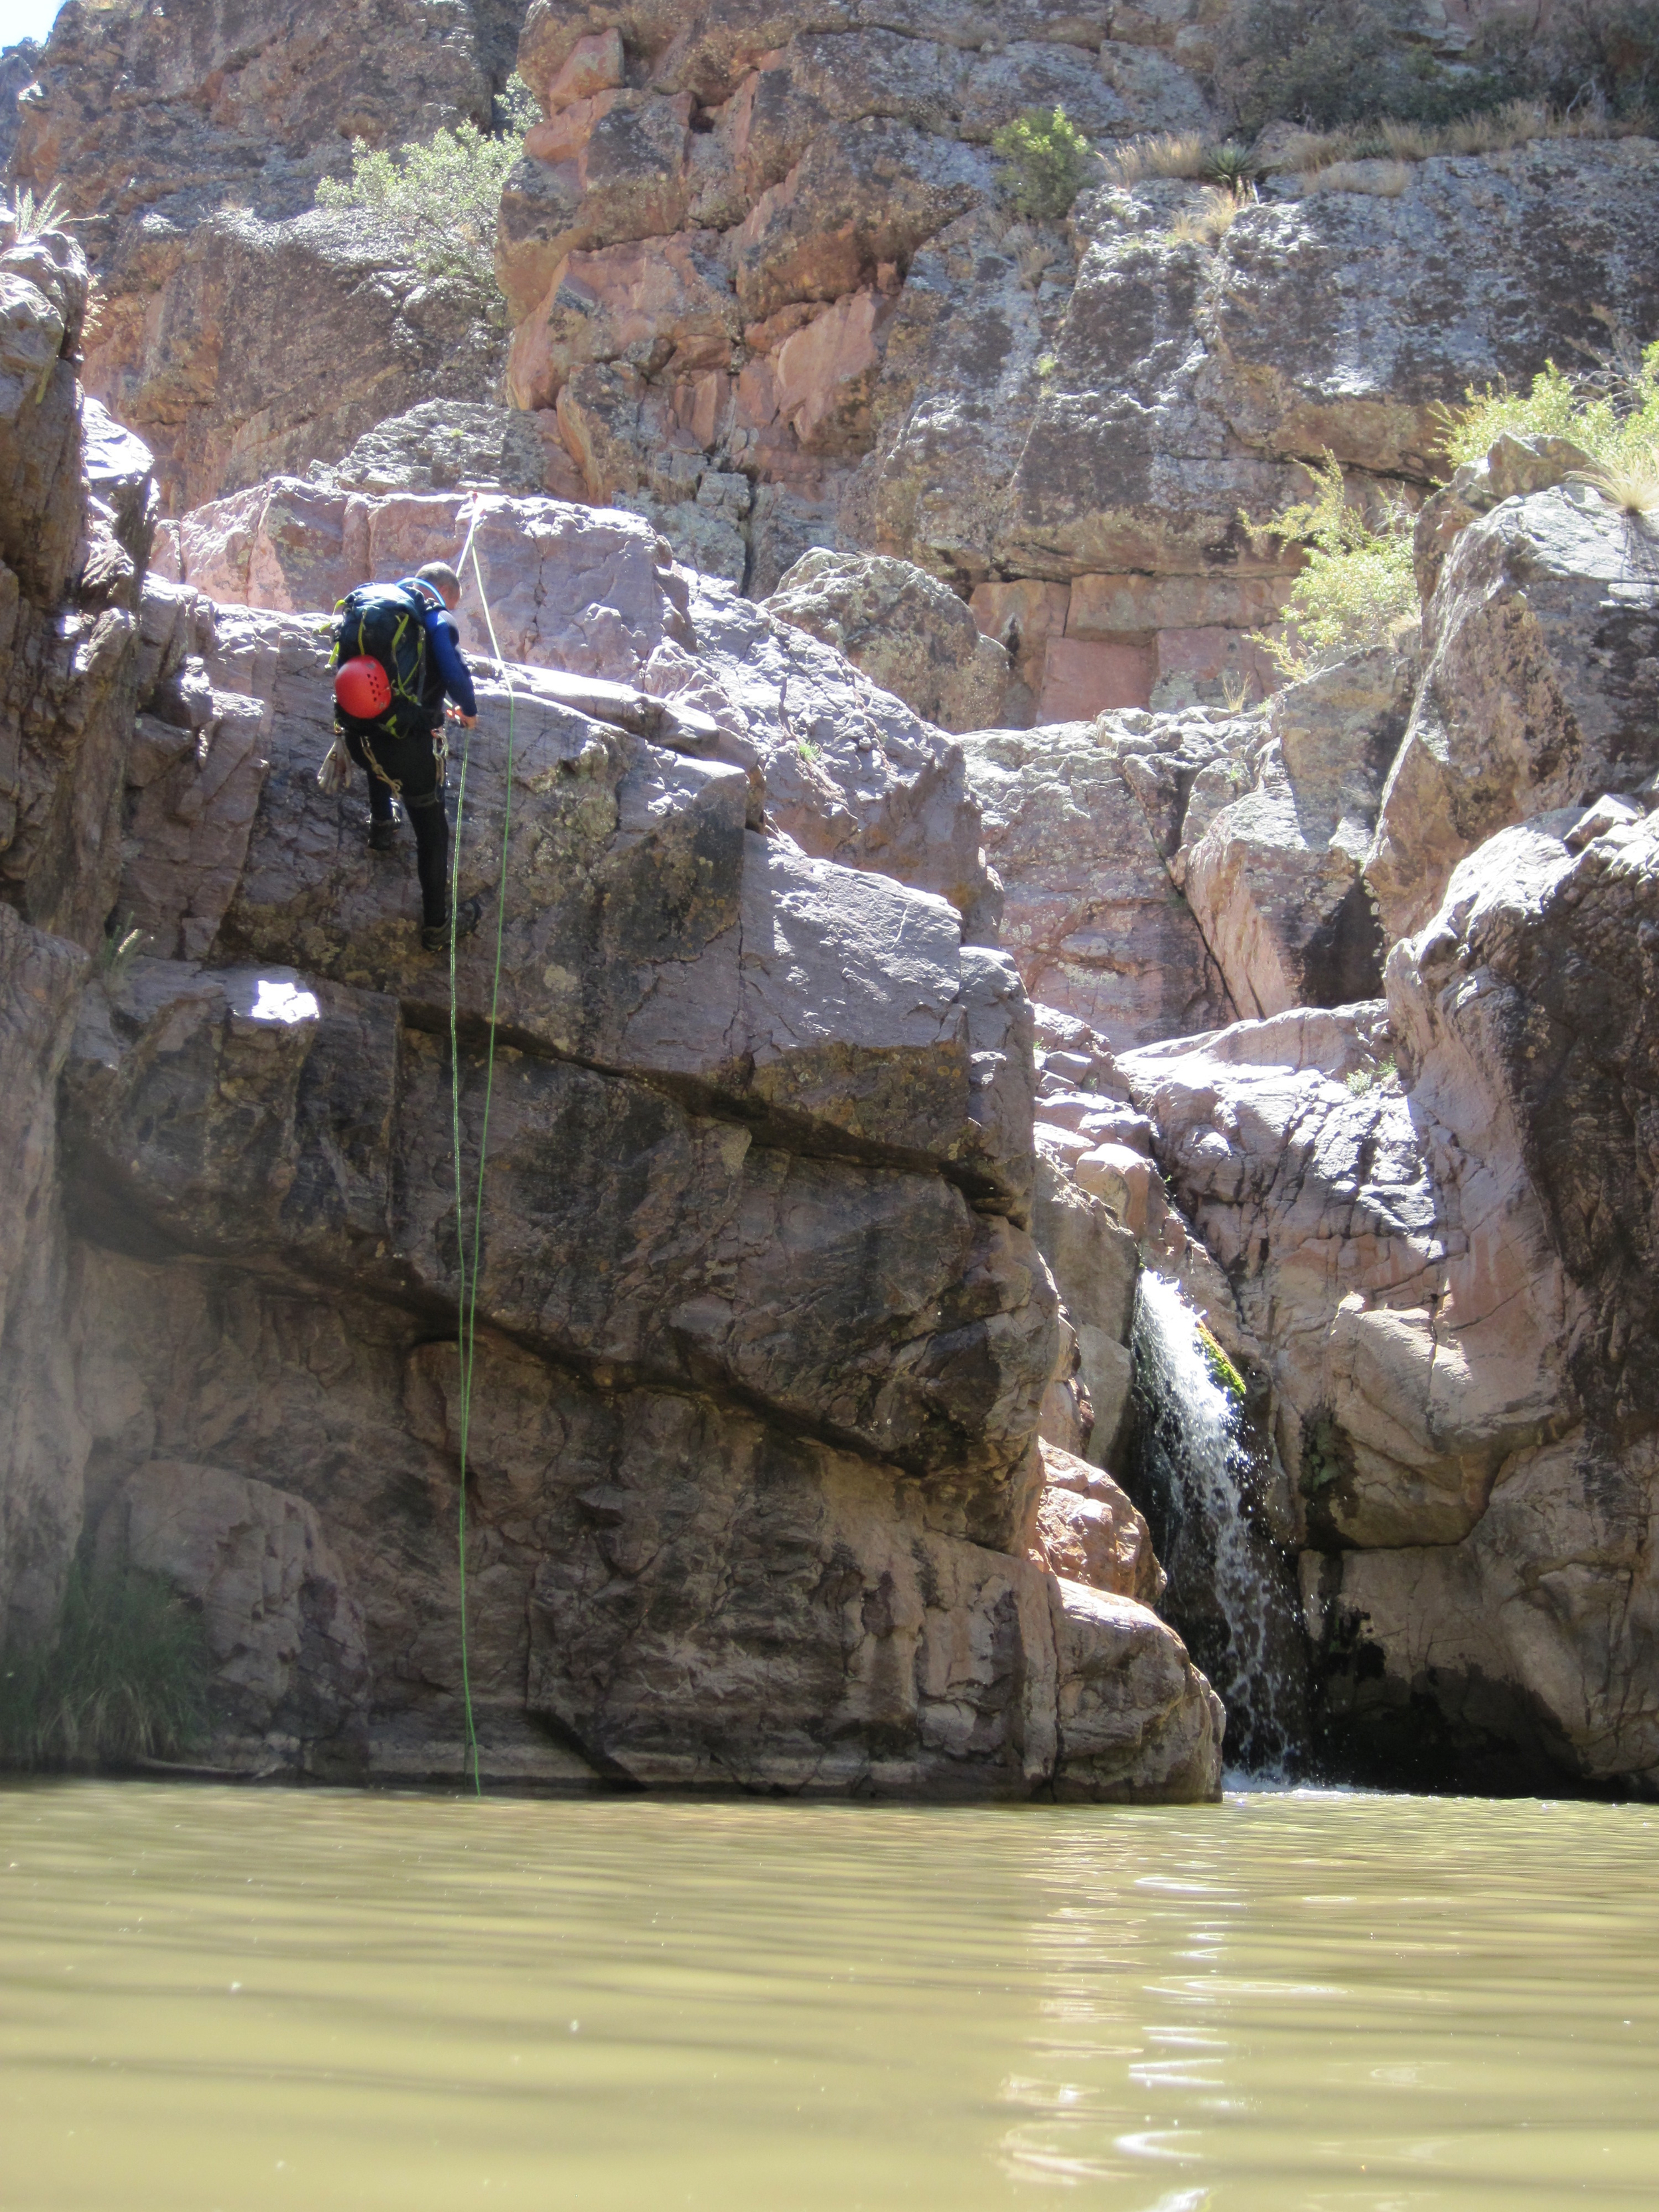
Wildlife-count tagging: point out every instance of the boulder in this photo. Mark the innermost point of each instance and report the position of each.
(1088, 1531)
(1539, 689)
(905, 629)
(1080, 822)
(1273, 877)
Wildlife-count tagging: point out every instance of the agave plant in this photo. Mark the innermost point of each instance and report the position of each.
(1230, 165)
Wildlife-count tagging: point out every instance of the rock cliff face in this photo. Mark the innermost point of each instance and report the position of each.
(755, 1494)
(761, 263)
(242, 331)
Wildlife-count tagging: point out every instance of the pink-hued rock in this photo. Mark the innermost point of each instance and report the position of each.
(595, 64)
(824, 376)
(1080, 681)
(1087, 1530)
(669, 297)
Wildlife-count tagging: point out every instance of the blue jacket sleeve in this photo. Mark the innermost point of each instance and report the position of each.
(441, 633)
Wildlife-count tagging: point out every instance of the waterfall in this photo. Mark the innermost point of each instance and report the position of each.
(1197, 1476)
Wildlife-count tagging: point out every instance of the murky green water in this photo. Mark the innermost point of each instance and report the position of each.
(242, 2000)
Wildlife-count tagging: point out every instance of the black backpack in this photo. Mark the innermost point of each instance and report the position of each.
(388, 624)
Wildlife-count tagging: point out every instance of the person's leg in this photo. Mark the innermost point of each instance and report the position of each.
(382, 804)
(423, 797)
(431, 827)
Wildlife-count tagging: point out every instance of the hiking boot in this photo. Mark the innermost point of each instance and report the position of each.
(434, 936)
(382, 836)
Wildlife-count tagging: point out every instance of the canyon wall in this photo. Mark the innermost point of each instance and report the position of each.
(756, 1496)
(1325, 1000)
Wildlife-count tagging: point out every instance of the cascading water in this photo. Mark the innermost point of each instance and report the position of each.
(1196, 1475)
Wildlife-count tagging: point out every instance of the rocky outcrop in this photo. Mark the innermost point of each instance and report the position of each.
(242, 331)
(1454, 1303)
(747, 249)
(75, 514)
(905, 630)
(845, 769)
(1539, 689)
(17, 67)
(1274, 877)
(1081, 822)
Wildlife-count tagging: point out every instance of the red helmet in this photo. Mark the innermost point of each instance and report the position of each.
(362, 688)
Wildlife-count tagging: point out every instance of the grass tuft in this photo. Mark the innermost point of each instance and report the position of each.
(1213, 217)
(1165, 153)
(1382, 180)
(34, 216)
(1630, 484)
(123, 1675)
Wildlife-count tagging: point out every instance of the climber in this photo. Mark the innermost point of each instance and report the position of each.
(400, 658)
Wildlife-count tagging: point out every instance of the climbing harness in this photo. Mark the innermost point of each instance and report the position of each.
(470, 1263)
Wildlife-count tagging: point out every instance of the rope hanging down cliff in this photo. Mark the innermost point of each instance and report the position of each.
(469, 1262)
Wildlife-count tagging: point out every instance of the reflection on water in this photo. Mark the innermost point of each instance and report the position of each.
(213, 2001)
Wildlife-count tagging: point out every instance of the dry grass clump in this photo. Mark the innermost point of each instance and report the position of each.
(1212, 218)
(1629, 483)
(1167, 154)
(1517, 123)
(1380, 180)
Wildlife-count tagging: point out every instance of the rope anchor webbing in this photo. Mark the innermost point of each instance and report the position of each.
(469, 1265)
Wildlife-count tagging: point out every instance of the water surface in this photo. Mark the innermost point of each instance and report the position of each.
(222, 2001)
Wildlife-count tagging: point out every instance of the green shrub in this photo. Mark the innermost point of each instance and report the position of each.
(1358, 586)
(123, 1675)
(1045, 159)
(1613, 415)
(437, 202)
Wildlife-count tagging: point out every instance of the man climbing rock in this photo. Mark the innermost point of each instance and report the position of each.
(398, 650)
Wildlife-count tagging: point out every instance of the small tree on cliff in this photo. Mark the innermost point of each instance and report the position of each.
(437, 201)
(1044, 159)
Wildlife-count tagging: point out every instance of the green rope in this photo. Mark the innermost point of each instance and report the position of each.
(470, 1264)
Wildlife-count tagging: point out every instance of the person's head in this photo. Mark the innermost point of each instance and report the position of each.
(444, 581)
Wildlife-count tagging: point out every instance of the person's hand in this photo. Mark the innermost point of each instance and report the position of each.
(470, 721)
